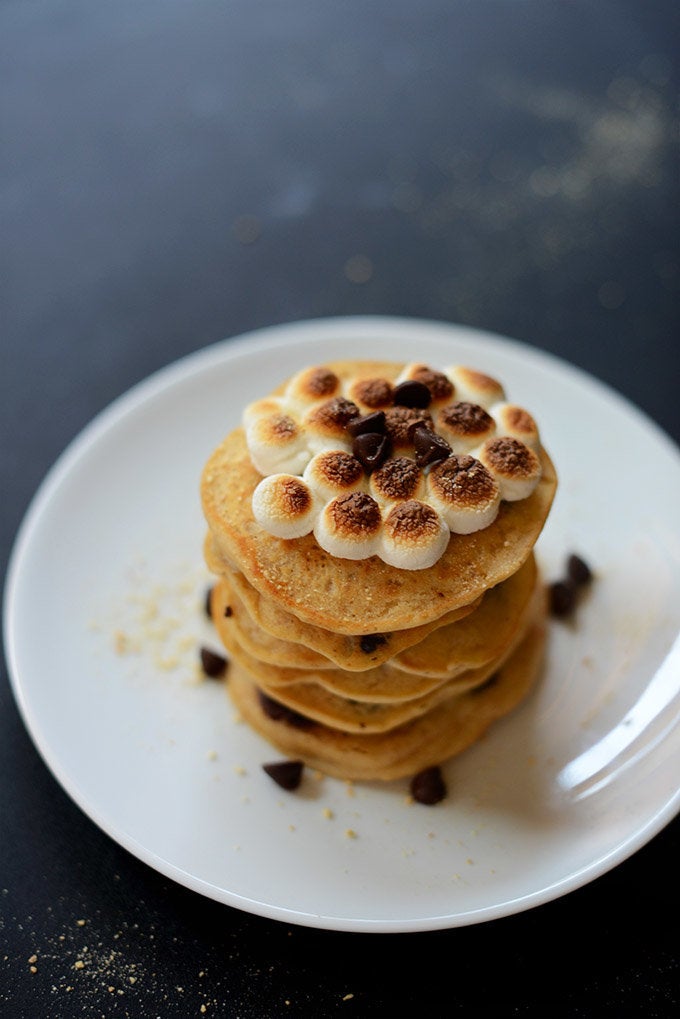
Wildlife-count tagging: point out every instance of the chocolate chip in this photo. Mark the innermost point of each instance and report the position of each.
(280, 713)
(371, 642)
(208, 601)
(371, 450)
(228, 612)
(287, 774)
(578, 571)
(368, 423)
(428, 786)
(430, 448)
(412, 394)
(562, 597)
(213, 665)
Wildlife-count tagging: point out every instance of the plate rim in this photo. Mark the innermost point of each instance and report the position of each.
(248, 345)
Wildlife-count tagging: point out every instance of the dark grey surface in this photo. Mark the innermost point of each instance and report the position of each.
(178, 172)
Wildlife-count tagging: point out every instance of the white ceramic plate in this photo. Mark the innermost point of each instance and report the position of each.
(103, 616)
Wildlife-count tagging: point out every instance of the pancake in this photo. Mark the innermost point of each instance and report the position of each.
(347, 651)
(446, 730)
(479, 638)
(306, 694)
(230, 615)
(252, 638)
(364, 596)
(503, 624)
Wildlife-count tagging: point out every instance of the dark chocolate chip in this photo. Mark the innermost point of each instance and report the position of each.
(228, 612)
(412, 394)
(372, 641)
(371, 450)
(287, 774)
(280, 713)
(578, 571)
(562, 597)
(428, 786)
(430, 448)
(368, 423)
(207, 603)
(213, 665)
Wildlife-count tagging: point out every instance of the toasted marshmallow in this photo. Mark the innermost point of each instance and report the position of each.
(464, 425)
(277, 445)
(401, 423)
(326, 425)
(516, 422)
(474, 386)
(370, 393)
(465, 493)
(349, 526)
(398, 479)
(515, 466)
(333, 473)
(414, 536)
(311, 386)
(266, 407)
(440, 386)
(284, 506)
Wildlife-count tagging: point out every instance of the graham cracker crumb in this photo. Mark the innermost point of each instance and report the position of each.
(351, 834)
(328, 813)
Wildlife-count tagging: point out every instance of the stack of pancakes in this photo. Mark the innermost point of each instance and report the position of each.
(361, 668)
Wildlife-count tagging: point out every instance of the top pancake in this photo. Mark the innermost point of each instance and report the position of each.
(362, 596)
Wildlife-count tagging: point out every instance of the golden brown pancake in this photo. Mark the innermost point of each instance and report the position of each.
(308, 694)
(347, 651)
(504, 623)
(479, 638)
(361, 596)
(431, 739)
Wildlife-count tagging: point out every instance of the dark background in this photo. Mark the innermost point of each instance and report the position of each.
(175, 172)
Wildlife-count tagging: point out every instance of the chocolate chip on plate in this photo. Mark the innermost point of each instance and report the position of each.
(213, 665)
(428, 786)
(578, 571)
(371, 449)
(412, 394)
(562, 597)
(287, 774)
